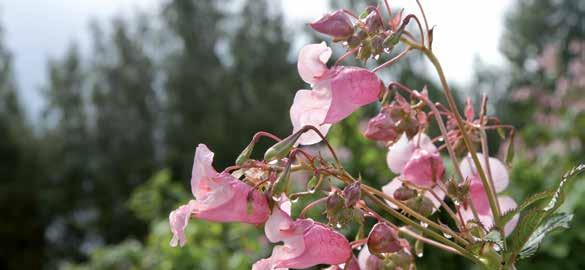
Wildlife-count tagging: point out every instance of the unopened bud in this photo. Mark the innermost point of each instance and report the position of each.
(335, 24)
(404, 193)
(421, 205)
(365, 51)
(282, 182)
(383, 239)
(246, 153)
(381, 127)
(281, 149)
(334, 205)
(373, 22)
(352, 194)
(377, 44)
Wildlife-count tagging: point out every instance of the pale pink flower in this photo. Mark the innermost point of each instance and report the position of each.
(416, 160)
(219, 197)
(306, 243)
(336, 93)
(335, 24)
(478, 195)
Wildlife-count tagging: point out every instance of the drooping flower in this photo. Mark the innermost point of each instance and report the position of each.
(336, 24)
(219, 197)
(337, 92)
(382, 127)
(416, 160)
(478, 195)
(306, 243)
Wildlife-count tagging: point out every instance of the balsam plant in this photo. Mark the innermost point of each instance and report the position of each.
(489, 229)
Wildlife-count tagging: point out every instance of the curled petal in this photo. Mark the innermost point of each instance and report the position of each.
(310, 108)
(312, 62)
(498, 170)
(178, 220)
(202, 168)
(351, 88)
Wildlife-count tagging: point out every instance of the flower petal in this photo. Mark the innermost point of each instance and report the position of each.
(234, 201)
(424, 168)
(498, 170)
(312, 61)
(390, 188)
(310, 108)
(367, 261)
(351, 88)
(507, 204)
(399, 154)
(202, 168)
(178, 220)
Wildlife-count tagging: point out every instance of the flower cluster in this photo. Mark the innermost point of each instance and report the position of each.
(467, 189)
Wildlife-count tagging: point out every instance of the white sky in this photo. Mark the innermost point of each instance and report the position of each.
(35, 30)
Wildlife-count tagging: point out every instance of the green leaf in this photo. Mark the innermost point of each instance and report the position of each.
(538, 222)
(534, 198)
(552, 223)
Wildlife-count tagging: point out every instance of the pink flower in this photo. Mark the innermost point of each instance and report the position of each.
(219, 197)
(336, 93)
(416, 160)
(478, 196)
(305, 243)
(335, 24)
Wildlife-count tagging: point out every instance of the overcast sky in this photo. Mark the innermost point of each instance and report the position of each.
(35, 30)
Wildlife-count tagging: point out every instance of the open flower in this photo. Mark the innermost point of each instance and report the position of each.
(219, 197)
(306, 243)
(416, 160)
(478, 195)
(337, 92)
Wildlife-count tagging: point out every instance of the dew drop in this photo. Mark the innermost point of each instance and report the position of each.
(419, 254)
(448, 236)
(376, 57)
(424, 225)
(338, 225)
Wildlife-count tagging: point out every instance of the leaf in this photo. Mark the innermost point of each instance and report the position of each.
(537, 222)
(552, 223)
(534, 198)
(495, 237)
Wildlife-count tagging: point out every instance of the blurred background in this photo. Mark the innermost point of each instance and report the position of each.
(102, 104)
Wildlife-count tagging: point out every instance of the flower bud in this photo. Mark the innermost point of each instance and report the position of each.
(373, 22)
(377, 44)
(334, 205)
(352, 194)
(282, 182)
(383, 239)
(382, 127)
(335, 24)
(245, 155)
(421, 204)
(365, 51)
(399, 260)
(281, 149)
(404, 193)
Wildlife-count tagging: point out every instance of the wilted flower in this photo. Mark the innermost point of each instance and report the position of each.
(306, 243)
(335, 24)
(336, 93)
(478, 195)
(219, 197)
